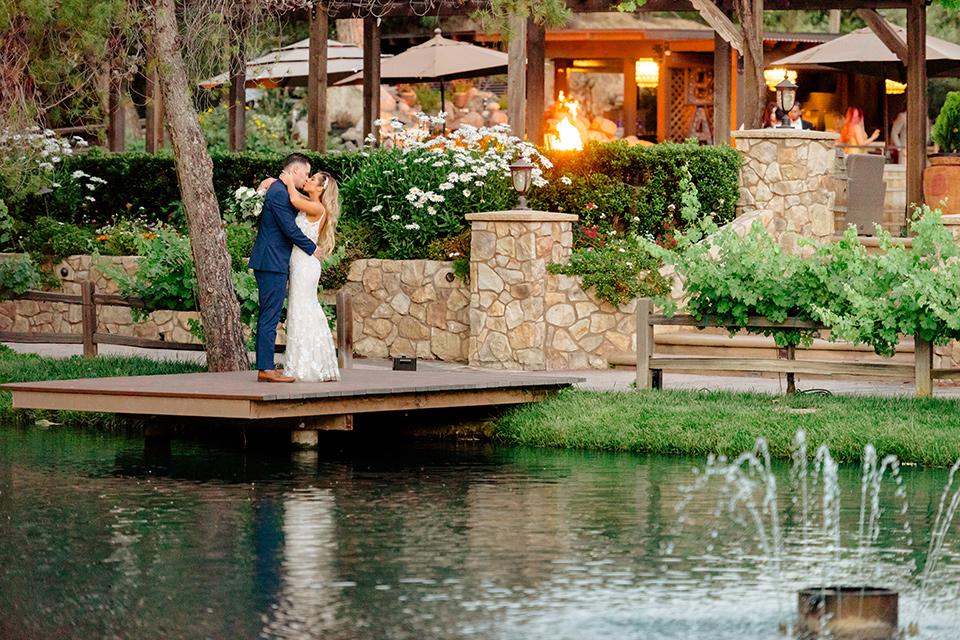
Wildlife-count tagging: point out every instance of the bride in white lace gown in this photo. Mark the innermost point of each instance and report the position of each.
(310, 353)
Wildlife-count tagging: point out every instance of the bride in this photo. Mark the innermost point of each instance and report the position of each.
(310, 353)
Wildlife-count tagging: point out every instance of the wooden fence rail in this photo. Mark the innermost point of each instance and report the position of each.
(90, 338)
(650, 366)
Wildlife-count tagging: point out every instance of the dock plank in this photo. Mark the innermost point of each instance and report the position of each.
(238, 395)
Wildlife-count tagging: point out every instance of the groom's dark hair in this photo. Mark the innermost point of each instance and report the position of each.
(296, 158)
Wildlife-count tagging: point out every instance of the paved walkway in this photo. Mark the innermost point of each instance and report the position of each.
(609, 379)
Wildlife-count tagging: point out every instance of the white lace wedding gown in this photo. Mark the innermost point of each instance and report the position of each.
(311, 355)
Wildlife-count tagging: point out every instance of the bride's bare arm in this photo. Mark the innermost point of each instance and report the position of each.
(266, 184)
(313, 210)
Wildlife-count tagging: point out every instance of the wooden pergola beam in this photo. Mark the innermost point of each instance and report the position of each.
(916, 102)
(720, 23)
(317, 81)
(890, 38)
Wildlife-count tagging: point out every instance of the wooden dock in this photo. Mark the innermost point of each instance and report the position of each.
(238, 396)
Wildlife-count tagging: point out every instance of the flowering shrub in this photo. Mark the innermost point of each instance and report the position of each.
(265, 133)
(119, 238)
(417, 187)
(618, 271)
(29, 161)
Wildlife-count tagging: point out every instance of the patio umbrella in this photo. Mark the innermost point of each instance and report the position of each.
(439, 59)
(289, 66)
(861, 51)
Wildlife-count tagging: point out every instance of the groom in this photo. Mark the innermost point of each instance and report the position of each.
(270, 261)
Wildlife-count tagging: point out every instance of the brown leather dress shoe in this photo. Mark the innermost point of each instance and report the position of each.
(273, 376)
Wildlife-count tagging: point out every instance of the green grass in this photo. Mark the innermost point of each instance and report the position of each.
(17, 367)
(925, 432)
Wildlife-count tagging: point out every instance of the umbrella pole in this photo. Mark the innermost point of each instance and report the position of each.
(441, 108)
(886, 120)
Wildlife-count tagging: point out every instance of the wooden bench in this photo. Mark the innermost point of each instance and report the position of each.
(651, 366)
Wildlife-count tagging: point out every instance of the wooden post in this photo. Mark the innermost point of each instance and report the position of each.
(644, 343)
(536, 43)
(237, 101)
(153, 136)
(344, 331)
(88, 319)
(561, 77)
(916, 102)
(517, 77)
(629, 97)
(371, 76)
(923, 363)
(317, 80)
(791, 376)
(722, 89)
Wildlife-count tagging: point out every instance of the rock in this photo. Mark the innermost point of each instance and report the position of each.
(473, 119)
(498, 117)
(387, 101)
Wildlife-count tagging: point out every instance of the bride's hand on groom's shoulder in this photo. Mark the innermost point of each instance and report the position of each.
(286, 178)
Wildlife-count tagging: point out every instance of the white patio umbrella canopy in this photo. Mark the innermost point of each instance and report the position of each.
(861, 51)
(289, 66)
(439, 59)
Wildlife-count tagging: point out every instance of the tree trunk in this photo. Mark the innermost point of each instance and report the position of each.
(750, 13)
(219, 309)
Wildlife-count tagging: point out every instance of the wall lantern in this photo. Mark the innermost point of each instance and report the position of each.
(521, 172)
(786, 96)
(648, 73)
(772, 76)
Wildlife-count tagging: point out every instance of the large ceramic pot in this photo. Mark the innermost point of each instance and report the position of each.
(942, 180)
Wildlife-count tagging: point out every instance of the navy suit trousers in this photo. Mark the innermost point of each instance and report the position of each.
(272, 287)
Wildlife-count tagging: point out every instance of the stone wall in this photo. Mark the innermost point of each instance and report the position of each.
(521, 316)
(56, 317)
(789, 172)
(408, 308)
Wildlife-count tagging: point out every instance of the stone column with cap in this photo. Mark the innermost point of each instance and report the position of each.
(509, 254)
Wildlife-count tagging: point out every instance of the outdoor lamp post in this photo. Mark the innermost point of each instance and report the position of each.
(521, 172)
(786, 96)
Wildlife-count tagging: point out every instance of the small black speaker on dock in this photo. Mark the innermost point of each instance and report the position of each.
(404, 363)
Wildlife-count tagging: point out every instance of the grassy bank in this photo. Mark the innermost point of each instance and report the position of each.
(17, 367)
(925, 432)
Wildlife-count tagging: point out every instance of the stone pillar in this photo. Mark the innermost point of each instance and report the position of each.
(509, 254)
(790, 172)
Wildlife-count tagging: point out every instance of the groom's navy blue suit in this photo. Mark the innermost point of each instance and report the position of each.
(270, 261)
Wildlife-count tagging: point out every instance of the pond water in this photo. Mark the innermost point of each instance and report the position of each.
(104, 537)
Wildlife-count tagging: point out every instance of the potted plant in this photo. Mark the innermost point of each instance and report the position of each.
(941, 181)
(460, 92)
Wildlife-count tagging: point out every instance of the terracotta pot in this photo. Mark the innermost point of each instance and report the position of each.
(460, 99)
(942, 180)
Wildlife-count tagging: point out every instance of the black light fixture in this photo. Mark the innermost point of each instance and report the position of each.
(786, 96)
(521, 172)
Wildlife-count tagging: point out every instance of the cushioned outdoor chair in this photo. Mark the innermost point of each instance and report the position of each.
(866, 191)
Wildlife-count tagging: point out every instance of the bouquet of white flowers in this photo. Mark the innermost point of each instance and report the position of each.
(249, 202)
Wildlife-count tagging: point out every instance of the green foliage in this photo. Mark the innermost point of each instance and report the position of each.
(165, 277)
(862, 298)
(265, 133)
(50, 240)
(18, 274)
(139, 184)
(694, 423)
(461, 269)
(119, 238)
(618, 271)
(428, 98)
(946, 130)
(636, 186)
(6, 224)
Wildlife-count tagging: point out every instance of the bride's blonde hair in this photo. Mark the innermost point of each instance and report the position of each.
(330, 199)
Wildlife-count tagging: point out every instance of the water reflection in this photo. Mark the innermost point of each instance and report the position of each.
(102, 537)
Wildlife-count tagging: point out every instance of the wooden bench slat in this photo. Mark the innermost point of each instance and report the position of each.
(719, 363)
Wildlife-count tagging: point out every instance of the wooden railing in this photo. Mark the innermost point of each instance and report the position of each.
(91, 338)
(650, 366)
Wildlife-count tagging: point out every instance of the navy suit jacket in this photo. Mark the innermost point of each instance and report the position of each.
(278, 233)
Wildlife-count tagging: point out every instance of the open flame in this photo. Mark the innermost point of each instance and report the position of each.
(567, 137)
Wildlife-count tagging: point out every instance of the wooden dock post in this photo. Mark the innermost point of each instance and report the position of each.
(344, 331)
(923, 353)
(88, 317)
(644, 342)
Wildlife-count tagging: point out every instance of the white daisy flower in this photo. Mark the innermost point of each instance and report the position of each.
(466, 193)
(394, 217)
(566, 180)
(376, 208)
(411, 226)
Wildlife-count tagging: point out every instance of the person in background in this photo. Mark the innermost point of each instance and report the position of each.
(853, 133)
(770, 119)
(796, 119)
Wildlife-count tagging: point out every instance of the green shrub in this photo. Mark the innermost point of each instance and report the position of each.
(50, 240)
(946, 130)
(18, 274)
